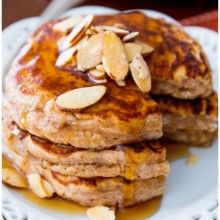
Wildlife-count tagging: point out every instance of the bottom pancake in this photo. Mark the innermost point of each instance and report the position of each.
(140, 161)
(115, 191)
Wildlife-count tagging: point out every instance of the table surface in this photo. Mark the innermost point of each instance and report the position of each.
(16, 10)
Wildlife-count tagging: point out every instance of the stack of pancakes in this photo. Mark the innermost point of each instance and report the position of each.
(108, 153)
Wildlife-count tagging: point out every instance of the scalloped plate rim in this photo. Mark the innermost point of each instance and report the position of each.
(211, 194)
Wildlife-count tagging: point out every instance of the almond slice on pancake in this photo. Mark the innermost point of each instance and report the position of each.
(140, 73)
(146, 48)
(90, 54)
(130, 36)
(80, 98)
(114, 29)
(114, 57)
(67, 23)
(97, 76)
(65, 56)
(132, 49)
(77, 33)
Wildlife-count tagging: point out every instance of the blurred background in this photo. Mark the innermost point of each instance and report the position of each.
(189, 12)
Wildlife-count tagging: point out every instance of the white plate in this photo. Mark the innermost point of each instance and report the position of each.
(191, 191)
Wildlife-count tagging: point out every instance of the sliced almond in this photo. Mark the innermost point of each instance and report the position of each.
(48, 188)
(101, 213)
(120, 25)
(96, 29)
(98, 76)
(118, 31)
(114, 57)
(141, 73)
(90, 55)
(98, 81)
(65, 56)
(100, 67)
(146, 48)
(130, 36)
(39, 186)
(13, 178)
(121, 83)
(132, 49)
(67, 23)
(77, 33)
(80, 98)
(82, 42)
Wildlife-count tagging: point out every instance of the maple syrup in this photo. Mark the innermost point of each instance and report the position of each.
(176, 151)
(136, 212)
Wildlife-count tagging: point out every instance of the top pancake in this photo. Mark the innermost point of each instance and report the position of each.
(124, 114)
(178, 65)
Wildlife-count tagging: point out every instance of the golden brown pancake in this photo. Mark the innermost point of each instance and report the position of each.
(115, 191)
(147, 180)
(189, 121)
(138, 161)
(124, 115)
(178, 65)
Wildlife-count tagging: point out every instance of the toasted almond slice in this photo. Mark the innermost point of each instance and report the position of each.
(114, 57)
(121, 83)
(90, 55)
(96, 29)
(39, 186)
(100, 67)
(48, 188)
(98, 81)
(100, 213)
(66, 56)
(82, 42)
(118, 31)
(146, 48)
(130, 36)
(97, 74)
(80, 98)
(77, 32)
(120, 25)
(132, 49)
(13, 178)
(67, 23)
(141, 73)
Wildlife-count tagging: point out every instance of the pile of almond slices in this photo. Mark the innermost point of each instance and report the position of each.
(103, 51)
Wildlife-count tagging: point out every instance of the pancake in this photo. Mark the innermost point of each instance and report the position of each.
(189, 121)
(143, 160)
(116, 191)
(178, 65)
(124, 115)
